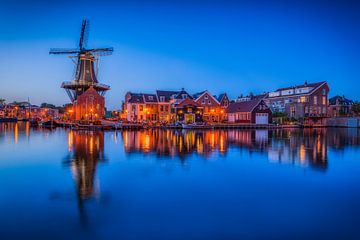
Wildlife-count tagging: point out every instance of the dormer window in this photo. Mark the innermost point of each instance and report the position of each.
(162, 98)
(151, 98)
(184, 96)
(206, 97)
(324, 91)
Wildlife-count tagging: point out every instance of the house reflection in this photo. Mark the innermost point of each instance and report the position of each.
(86, 150)
(175, 143)
(303, 147)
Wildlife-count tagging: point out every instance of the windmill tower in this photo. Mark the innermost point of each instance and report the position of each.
(85, 60)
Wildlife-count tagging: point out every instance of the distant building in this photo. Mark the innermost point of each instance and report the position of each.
(308, 101)
(340, 106)
(249, 112)
(89, 106)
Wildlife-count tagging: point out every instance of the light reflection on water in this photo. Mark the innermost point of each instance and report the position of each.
(179, 183)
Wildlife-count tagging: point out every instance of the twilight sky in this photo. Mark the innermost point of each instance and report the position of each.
(221, 46)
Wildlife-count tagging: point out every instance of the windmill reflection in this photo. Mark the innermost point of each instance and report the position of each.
(86, 150)
(306, 147)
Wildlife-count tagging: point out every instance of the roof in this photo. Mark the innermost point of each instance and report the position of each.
(196, 95)
(136, 98)
(152, 98)
(166, 94)
(340, 100)
(220, 97)
(246, 106)
(180, 93)
(314, 85)
(187, 101)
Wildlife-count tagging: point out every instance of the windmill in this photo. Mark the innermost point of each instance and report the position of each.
(84, 58)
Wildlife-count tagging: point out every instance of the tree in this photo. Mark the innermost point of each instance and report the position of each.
(2, 101)
(47, 105)
(356, 108)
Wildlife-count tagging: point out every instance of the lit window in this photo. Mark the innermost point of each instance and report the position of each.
(324, 100)
(302, 99)
(315, 100)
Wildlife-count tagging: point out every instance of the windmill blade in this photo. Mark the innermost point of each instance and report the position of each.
(102, 51)
(64, 51)
(83, 34)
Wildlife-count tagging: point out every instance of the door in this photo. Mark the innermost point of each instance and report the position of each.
(261, 118)
(189, 118)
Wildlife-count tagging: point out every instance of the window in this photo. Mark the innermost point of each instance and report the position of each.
(141, 108)
(306, 110)
(151, 98)
(184, 95)
(162, 99)
(324, 100)
(202, 102)
(161, 108)
(302, 99)
(315, 100)
(324, 91)
(209, 102)
(206, 97)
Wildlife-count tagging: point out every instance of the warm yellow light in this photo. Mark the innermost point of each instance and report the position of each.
(91, 110)
(212, 110)
(222, 111)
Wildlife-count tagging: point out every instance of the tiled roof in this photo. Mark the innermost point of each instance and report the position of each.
(152, 98)
(180, 93)
(246, 106)
(314, 85)
(196, 95)
(136, 98)
(166, 94)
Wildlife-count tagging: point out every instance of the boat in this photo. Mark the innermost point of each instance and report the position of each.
(8, 119)
(34, 122)
(49, 124)
(195, 126)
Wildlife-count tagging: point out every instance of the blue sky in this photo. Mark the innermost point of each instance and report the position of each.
(221, 46)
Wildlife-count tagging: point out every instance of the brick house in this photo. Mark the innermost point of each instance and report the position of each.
(212, 110)
(165, 101)
(188, 111)
(307, 101)
(89, 106)
(249, 112)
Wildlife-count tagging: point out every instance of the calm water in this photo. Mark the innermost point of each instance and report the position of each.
(162, 184)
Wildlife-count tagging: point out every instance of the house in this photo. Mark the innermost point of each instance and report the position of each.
(212, 110)
(165, 101)
(89, 106)
(249, 112)
(134, 107)
(340, 106)
(223, 99)
(188, 111)
(307, 101)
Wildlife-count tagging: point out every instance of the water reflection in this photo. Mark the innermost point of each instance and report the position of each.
(303, 147)
(86, 150)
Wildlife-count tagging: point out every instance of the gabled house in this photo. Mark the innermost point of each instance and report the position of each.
(188, 111)
(89, 106)
(307, 101)
(213, 111)
(249, 112)
(165, 101)
(340, 106)
(224, 100)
